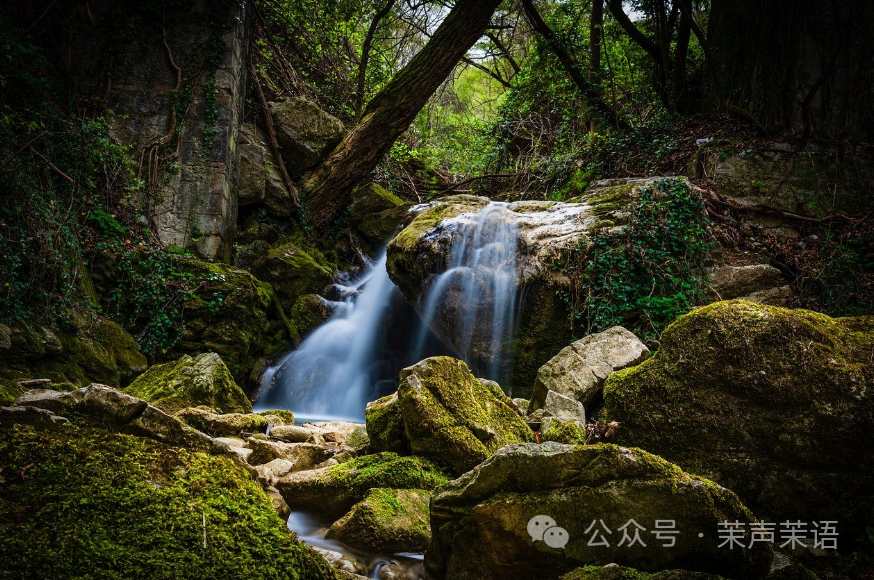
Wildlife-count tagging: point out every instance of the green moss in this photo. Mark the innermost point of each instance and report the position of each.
(293, 272)
(567, 432)
(387, 470)
(385, 427)
(191, 382)
(387, 521)
(100, 505)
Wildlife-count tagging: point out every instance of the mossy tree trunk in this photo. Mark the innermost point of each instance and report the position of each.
(393, 109)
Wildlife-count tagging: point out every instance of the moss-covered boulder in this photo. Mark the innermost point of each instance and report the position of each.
(385, 427)
(223, 424)
(615, 572)
(95, 504)
(98, 350)
(191, 382)
(305, 132)
(452, 417)
(308, 312)
(386, 521)
(293, 272)
(332, 491)
(776, 404)
(494, 522)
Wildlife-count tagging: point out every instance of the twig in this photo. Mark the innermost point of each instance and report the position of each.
(52, 165)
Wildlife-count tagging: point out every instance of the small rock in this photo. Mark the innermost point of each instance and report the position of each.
(290, 433)
(341, 562)
(559, 408)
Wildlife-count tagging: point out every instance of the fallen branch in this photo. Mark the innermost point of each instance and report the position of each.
(52, 165)
(472, 179)
(274, 142)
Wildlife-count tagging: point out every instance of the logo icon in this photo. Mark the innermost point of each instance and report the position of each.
(544, 529)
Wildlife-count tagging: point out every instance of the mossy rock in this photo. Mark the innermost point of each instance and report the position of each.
(376, 213)
(776, 404)
(614, 572)
(332, 491)
(101, 351)
(191, 382)
(96, 504)
(564, 432)
(480, 521)
(386, 521)
(223, 425)
(292, 272)
(452, 417)
(308, 312)
(385, 427)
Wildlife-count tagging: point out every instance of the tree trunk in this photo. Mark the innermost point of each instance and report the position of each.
(392, 110)
(596, 25)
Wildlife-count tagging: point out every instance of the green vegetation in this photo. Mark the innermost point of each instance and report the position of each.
(100, 505)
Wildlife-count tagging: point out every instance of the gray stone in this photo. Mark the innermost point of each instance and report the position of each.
(563, 410)
(30, 416)
(578, 371)
(228, 424)
(290, 433)
(727, 282)
(302, 455)
(253, 170)
(306, 133)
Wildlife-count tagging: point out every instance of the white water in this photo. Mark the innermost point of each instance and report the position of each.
(472, 304)
(334, 372)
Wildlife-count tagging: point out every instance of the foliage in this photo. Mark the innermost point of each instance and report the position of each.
(648, 272)
(92, 504)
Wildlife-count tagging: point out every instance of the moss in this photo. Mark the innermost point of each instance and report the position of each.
(100, 505)
(293, 272)
(566, 432)
(190, 382)
(387, 470)
(770, 402)
(286, 416)
(308, 312)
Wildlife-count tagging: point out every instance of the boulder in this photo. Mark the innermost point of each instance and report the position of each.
(191, 382)
(453, 418)
(754, 280)
(308, 312)
(539, 511)
(385, 427)
(559, 409)
(27, 415)
(292, 272)
(291, 433)
(579, 370)
(775, 404)
(386, 521)
(219, 425)
(332, 491)
(306, 133)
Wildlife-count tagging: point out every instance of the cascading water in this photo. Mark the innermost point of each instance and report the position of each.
(471, 306)
(338, 369)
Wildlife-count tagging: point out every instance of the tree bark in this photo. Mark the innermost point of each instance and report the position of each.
(392, 110)
(596, 25)
(589, 91)
(365, 55)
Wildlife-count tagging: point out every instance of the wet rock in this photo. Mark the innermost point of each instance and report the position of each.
(386, 521)
(480, 522)
(453, 418)
(191, 382)
(332, 491)
(306, 133)
(775, 404)
(277, 502)
(342, 563)
(579, 370)
(228, 424)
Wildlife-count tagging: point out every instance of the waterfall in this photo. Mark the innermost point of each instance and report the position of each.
(471, 306)
(338, 368)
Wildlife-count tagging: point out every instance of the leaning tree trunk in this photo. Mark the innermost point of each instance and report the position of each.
(393, 109)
